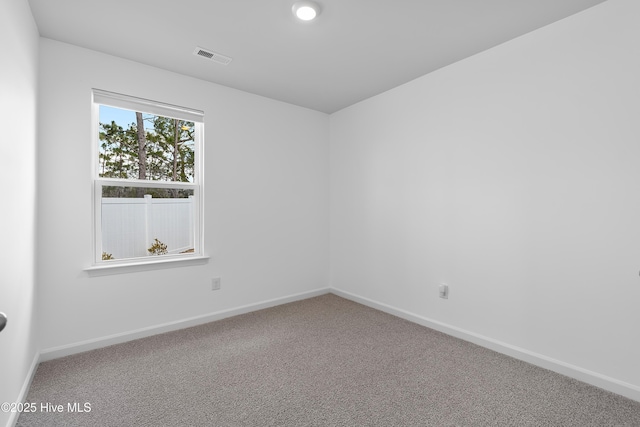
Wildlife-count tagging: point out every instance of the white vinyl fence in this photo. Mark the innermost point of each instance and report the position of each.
(130, 225)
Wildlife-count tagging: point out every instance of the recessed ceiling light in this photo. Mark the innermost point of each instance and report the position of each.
(305, 10)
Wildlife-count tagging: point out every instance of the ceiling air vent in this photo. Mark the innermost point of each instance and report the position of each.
(215, 57)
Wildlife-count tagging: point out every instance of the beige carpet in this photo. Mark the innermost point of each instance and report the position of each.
(325, 361)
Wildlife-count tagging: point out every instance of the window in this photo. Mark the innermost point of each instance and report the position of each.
(147, 180)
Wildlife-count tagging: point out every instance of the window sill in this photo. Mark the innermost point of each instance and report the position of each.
(146, 265)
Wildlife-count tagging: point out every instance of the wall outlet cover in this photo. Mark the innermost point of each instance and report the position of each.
(444, 291)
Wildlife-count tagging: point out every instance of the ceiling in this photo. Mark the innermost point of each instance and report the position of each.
(355, 49)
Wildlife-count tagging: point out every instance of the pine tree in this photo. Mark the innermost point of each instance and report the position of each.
(164, 151)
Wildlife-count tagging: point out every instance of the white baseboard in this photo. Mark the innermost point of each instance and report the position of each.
(613, 385)
(92, 344)
(13, 418)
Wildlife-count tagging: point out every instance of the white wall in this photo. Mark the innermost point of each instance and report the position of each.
(18, 97)
(266, 198)
(514, 177)
(511, 176)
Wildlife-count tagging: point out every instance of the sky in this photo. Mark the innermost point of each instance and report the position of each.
(122, 117)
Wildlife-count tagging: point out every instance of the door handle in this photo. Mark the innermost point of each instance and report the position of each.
(3, 320)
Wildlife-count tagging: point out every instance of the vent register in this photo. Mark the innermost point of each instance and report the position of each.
(213, 56)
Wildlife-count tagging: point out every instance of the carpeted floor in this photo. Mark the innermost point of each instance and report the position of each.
(325, 361)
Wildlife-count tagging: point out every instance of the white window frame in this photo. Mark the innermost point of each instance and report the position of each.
(112, 99)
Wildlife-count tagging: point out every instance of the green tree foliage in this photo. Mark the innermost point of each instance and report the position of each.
(163, 151)
(115, 154)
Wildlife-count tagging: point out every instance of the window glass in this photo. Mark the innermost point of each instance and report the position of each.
(147, 192)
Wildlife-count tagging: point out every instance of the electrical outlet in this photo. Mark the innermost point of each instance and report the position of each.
(215, 283)
(444, 291)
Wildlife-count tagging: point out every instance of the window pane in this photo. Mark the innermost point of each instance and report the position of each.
(136, 145)
(141, 222)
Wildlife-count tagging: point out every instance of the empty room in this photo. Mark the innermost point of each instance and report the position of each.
(320, 213)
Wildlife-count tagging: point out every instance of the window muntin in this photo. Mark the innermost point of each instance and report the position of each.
(147, 185)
